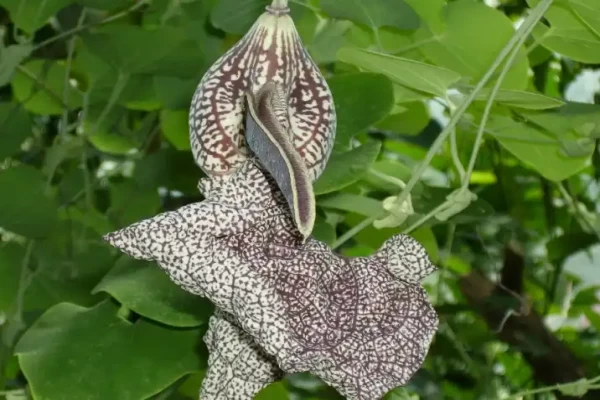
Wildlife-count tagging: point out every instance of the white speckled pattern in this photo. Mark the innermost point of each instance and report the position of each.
(364, 325)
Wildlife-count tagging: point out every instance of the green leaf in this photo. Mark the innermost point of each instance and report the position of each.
(352, 203)
(328, 41)
(589, 12)
(426, 237)
(393, 169)
(323, 231)
(561, 247)
(344, 169)
(463, 48)
(375, 13)
(569, 34)
(15, 127)
(10, 58)
(11, 259)
(174, 93)
(175, 127)
(30, 15)
(400, 394)
(133, 50)
(68, 148)
(237, 16)
(361, 100)
(575, 389)
(130, 204)
(402, 94)
(108, 357)
(169, 168)
(575, 126)
(61, 277)
(105, 4)
(144, 288)
(24, 207)
(593, 317)
(40, 85)
(431, 13)
(274, 391)
(91, 218)
(410, 121)
(521, 99)
(582, 119)
(536, 149)
(385, 40)
(112, 143)
(409, 73)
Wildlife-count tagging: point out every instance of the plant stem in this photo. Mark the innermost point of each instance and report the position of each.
(425, 218)
(354, 231)
(590, 386)
(535, 15)
(122, 80)
(453, 144)
(522, 34)
(83, 28)
(279, 4)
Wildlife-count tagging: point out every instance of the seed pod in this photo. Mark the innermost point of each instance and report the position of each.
(271, 51)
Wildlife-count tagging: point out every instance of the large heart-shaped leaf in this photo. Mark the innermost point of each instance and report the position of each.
(375, 13)
(106, 356)
(361, 100)
(471, 47)
(409, 73)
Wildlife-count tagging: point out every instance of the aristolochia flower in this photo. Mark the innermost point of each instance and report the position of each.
(299, 108)
(363, 325)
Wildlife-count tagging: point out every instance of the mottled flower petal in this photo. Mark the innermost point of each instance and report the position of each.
(364, 324)
(238, 367)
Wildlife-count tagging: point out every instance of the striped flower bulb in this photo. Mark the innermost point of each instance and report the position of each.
(270, 59)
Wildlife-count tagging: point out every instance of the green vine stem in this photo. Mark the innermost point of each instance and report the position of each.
(523, 33)
(533, 18)
(84, 28)
(461, 198)
(454, 145)
(575, 389)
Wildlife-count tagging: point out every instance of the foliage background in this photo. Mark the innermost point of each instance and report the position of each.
(94, 136)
